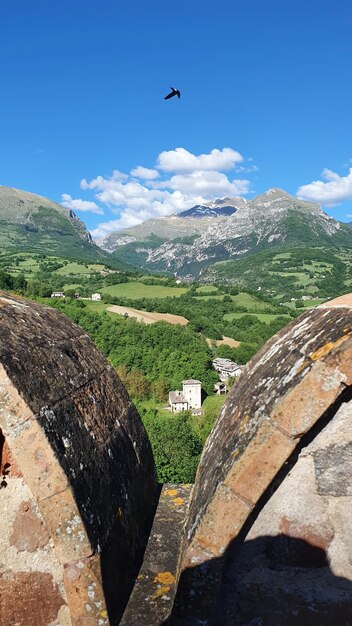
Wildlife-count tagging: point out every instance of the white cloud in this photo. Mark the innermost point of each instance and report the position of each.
(144, 172)
(80, 205)
(209, 184)
(180, 160)
(139, 209)
(116, 176)
(336, 189)
(180, 181)
(247, 170)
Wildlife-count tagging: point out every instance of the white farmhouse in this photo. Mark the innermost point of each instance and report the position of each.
(226, 368)
(189, 399)
(96, 296)
(57, 294)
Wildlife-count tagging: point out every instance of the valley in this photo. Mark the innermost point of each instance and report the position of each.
(214, 282)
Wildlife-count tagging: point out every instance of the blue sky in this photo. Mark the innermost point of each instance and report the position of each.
(265, 102)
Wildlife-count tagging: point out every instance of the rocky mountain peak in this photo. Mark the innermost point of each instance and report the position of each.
(221, 207)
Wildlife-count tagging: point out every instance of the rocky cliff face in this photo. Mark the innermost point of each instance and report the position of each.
(215, 208)
(188, 223)
(271, 219)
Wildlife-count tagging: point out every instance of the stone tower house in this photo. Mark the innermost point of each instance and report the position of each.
(192, 391)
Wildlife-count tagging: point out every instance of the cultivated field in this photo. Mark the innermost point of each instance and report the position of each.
(146, 316)
(262, 317)
(227, 341)
(135, 290)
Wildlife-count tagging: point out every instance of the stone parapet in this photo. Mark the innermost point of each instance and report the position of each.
(78, 488)
(154, 592)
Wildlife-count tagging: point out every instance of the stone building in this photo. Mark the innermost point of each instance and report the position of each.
(78, 483)
(189, 399)
(220, 389)
(177, 401)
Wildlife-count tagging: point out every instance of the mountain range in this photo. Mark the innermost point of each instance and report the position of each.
(189, 223)
(187, 243)
(193, 244)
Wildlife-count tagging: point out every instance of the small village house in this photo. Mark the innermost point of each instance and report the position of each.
(177, 401)
(220, 389)
(226, 368)
(189, 399)
(96, 297)
(57, 294)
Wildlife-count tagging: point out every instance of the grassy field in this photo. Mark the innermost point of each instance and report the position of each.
(310, 304)
(306, 304)
(22, 263)
(136, 290)
(251, 302)
(159, 279)
(27, 264)
(262, 317)
(78, 269)
(148, 317)
(70, 286)
(96, 307)
(300, 277)
(210, 289)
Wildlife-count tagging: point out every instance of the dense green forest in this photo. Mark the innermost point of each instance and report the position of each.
(152, 359)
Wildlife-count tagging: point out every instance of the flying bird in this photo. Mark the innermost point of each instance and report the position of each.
(174, 92)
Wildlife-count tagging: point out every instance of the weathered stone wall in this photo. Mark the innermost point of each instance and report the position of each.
(288, 393)
(295, 565)
(78, 486)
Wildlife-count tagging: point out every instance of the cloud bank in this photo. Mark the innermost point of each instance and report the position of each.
(330, 191)
(178, 181)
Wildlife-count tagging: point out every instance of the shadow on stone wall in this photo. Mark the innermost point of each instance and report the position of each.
(117, 551)
(268, 581)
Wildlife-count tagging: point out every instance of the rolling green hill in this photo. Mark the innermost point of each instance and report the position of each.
(32, 223)
(289, 273)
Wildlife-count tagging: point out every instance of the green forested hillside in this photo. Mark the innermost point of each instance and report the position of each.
(32, 223)
(289, 273)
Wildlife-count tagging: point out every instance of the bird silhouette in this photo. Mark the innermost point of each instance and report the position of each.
(174, 92)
